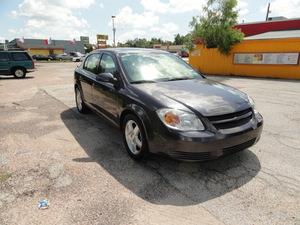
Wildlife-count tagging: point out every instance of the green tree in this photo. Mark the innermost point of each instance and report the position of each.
(142, 43)
(179, 39)
(216, 27)
(88, 48)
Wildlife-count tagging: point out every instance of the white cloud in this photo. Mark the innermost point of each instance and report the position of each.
(243, 9)
(142, 25)
(181, 6)
(173, 6)
(287, 8)
(2, 40)
(56, 18)
(127, 18)
(75, 4)
(166, 31)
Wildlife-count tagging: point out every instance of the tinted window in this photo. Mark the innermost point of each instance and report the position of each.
(4, 56)
(92, 63)
(107, 65)
(20, 56)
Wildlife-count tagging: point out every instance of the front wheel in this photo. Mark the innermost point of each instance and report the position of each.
(19, 73)
(80, 105)
(134, 137)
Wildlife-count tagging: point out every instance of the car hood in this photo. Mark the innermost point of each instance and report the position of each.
(204, 96)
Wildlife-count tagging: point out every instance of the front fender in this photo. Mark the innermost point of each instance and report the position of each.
(143, 116)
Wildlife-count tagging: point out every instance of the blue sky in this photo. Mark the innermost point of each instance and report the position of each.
(68, 19)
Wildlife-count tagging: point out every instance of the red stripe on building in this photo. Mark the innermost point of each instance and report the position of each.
(250, 29)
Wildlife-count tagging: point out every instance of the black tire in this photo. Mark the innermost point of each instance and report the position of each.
(80, 105)
(19, 73)
(143, 151)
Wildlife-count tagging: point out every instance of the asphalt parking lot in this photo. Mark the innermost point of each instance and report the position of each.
(78, 163)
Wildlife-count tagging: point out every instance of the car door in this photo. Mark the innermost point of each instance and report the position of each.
(4, 63)
(105, 93)
(88, 76)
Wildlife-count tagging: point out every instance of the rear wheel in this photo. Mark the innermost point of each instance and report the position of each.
(81, 107)
(134, 137)
(19, 73)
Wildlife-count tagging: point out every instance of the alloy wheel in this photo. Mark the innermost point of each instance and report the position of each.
(78, 100)
(133, 137)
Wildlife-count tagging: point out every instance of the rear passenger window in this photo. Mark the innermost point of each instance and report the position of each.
(4, 57)
(92, 63)
(20, 56)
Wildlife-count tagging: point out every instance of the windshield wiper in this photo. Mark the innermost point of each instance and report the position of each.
(180, 78)
(142, 81)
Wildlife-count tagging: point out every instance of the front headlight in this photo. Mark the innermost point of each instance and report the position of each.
(180, 120)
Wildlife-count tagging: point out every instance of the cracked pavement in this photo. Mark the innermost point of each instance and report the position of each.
(79, 163)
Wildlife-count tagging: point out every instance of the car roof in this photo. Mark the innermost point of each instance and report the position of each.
(10, 51)
(129, 50)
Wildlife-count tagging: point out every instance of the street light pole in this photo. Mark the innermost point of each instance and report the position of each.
(114, 30)
(268, 12)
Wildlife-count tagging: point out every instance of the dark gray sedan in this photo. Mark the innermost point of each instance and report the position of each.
(162, 105)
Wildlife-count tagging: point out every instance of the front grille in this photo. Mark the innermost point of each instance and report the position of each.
(198, 156)
(204, 156)
(231, 120)
(236, 148)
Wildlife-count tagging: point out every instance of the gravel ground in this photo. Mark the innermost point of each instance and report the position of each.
(78, 163)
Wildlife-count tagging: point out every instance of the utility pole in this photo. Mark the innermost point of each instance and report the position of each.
(114, 30)
(268, 12)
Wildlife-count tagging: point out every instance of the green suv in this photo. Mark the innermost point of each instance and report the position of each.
(16, 63)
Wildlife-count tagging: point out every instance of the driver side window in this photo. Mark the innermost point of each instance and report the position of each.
(92, 63)
(107, 65)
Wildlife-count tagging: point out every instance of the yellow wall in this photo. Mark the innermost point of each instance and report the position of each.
(58, 51)
(210, 61)
(44, 51)
(38, 51)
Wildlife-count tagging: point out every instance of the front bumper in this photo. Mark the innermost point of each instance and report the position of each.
(31, 70)
(206, 145)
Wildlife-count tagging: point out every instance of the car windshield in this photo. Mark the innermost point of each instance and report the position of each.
(155, 67)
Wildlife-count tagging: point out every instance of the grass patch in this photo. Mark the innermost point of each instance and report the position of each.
(4, 176)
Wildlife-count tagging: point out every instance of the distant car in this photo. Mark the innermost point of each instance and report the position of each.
(42, 57)
(183, 53)
(53, 56)
(64, 56)
(16, 63)
(78, 57)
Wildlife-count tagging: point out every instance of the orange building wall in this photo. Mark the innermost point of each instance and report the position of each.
(210, 61)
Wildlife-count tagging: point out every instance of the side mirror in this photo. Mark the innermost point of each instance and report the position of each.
(107, 77)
